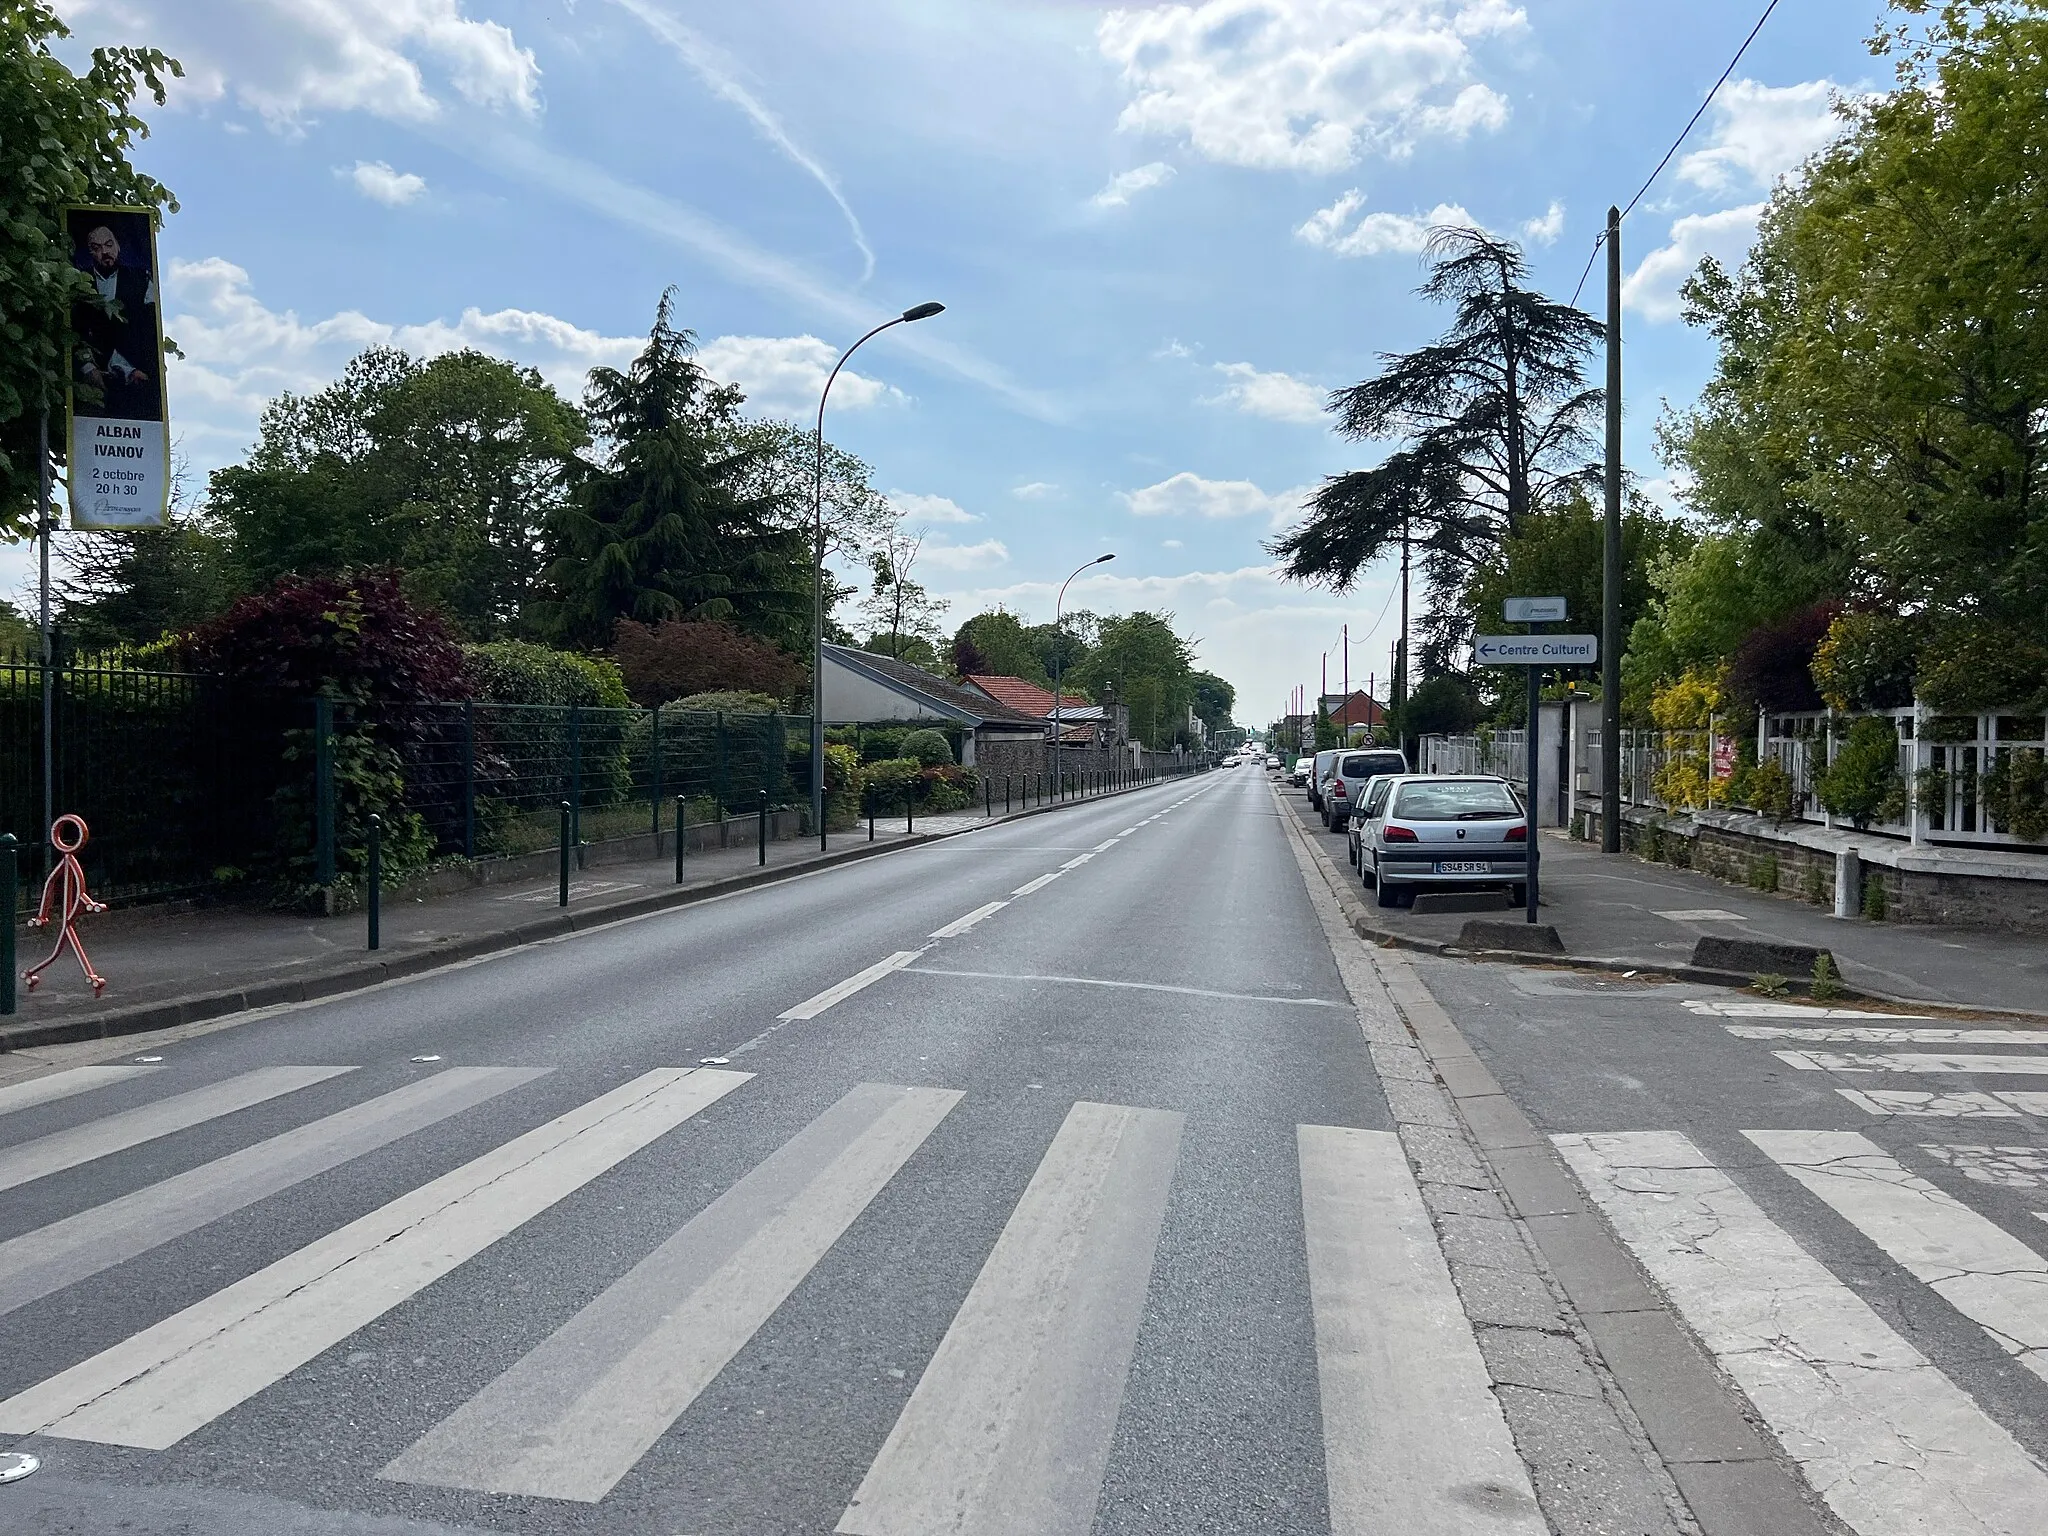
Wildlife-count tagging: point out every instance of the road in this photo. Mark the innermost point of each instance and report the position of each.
(1074, 1174)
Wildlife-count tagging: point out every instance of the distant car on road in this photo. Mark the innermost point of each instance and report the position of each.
(1426, 831)
(1344, 789)
(1273, 762)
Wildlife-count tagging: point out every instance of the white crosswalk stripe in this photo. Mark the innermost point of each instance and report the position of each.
(1913, 1061)
(116, 1133)
(1883, 1034)
(1963, 1104)
(571, 1418)
(1892, 1445)
(38, 1263)
(1980, 1269)
(1411, 1427)
(1009, 1430)
(62, 1085)
(157, 1387)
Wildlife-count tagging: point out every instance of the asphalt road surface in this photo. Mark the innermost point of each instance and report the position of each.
(1042, 1180)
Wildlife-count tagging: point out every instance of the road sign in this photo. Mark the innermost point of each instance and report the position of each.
(1535, 610)
(1535, 650)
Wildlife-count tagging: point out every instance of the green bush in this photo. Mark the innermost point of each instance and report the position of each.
(1863, 782)
(1873, 897)
(727, 703)
(1763, 872)
(1767, 789)
(1814, 885)
(1827, 982)
(520, 672)
(2016, 792)
(929, 747)
(947, 788)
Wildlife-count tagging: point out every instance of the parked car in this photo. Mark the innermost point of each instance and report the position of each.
(1429, 831)
(1325, 761)
(1273, 762)
(1347, 782)
(1299, 776)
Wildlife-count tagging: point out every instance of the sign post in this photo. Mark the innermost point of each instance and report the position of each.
(1534, 651)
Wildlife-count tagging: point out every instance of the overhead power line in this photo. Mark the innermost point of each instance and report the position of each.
(1691, 123)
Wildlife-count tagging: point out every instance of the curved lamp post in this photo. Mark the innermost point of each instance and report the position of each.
(1057, 703)
(919, 312)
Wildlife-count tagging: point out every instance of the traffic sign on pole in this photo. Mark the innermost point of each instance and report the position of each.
(1535, 610)
(1535, 650)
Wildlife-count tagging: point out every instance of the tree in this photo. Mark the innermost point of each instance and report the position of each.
(678, 657)
(1003, 647)
(661, 529)
(1148, 668)
(902, 616)
(450, 468)
(1884, 351)
(64, 138)
(1213, 699)
(1494, 419)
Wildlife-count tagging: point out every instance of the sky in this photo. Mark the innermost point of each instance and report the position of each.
(1162, 233)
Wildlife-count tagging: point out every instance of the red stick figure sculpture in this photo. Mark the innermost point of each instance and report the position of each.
(66, 889)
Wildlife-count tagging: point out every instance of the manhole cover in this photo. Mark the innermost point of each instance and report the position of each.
(15, 1465)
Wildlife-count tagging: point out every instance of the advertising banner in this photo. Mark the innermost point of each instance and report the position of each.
(119, 467)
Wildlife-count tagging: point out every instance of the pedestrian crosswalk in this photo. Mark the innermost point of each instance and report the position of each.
(1011, 1415)
(1009, 1423)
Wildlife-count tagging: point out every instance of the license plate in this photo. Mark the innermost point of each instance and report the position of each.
(1463, 867)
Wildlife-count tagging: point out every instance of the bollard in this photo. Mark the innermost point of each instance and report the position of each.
(10, 854)
(375, 894)
(682, 834)
(1848, 883)
(562, 893)
(764, 827)
(910, 808)
(988, 798)
(871, 817)
(1006, 794)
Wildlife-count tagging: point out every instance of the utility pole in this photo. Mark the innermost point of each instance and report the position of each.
(1347, 683)
(1401, 645)
(1610, 562)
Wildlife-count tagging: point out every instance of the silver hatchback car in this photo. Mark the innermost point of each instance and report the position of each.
(1429, 831)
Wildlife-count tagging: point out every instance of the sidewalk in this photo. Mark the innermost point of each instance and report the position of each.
(167, 966)
(1617, 907)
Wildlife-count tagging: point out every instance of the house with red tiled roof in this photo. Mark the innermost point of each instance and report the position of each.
(1025, 697)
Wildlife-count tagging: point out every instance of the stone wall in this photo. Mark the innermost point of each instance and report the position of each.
(1963, 888)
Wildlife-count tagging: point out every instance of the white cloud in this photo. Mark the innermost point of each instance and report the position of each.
(1124, 185)
(782, 375)
(1172, 544)
(288, 60)
(722, 76)
(1036, 490)
(1376, 234)
(1544, 231)
(1189, 495)
(381, 184)
(1275, 396)
(1308, 85)
(1175, 348)
(962, 557)
(913, 508)
(239, 353)
(1762, 131)
(1652, 289)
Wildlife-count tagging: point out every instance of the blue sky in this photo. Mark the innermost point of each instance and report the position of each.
(1162, 233)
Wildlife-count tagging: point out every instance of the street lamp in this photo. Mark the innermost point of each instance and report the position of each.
(1057, 635)
(918, 312)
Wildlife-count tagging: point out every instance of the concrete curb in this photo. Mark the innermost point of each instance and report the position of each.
(199, 1007)
(1358, 914)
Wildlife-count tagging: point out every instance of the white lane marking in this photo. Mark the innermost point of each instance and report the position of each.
(1127, 831)
(1718, 1008)
(116, 1133)
(1106, 844)
(1848, 1034)
(1913, 1061)
(1931, 1106)
(46, 1260)
(1135, 986)
(62, 1085)
(1703, 915)
(2004, 1167)
(158, 1386)
(1077, 861)
(576, 1414)
(839, 992)
(1037, 885)
(1011, 1424)
(960, 925)
(1411, 1427)
(1979, 1268)
(1893, 1446)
